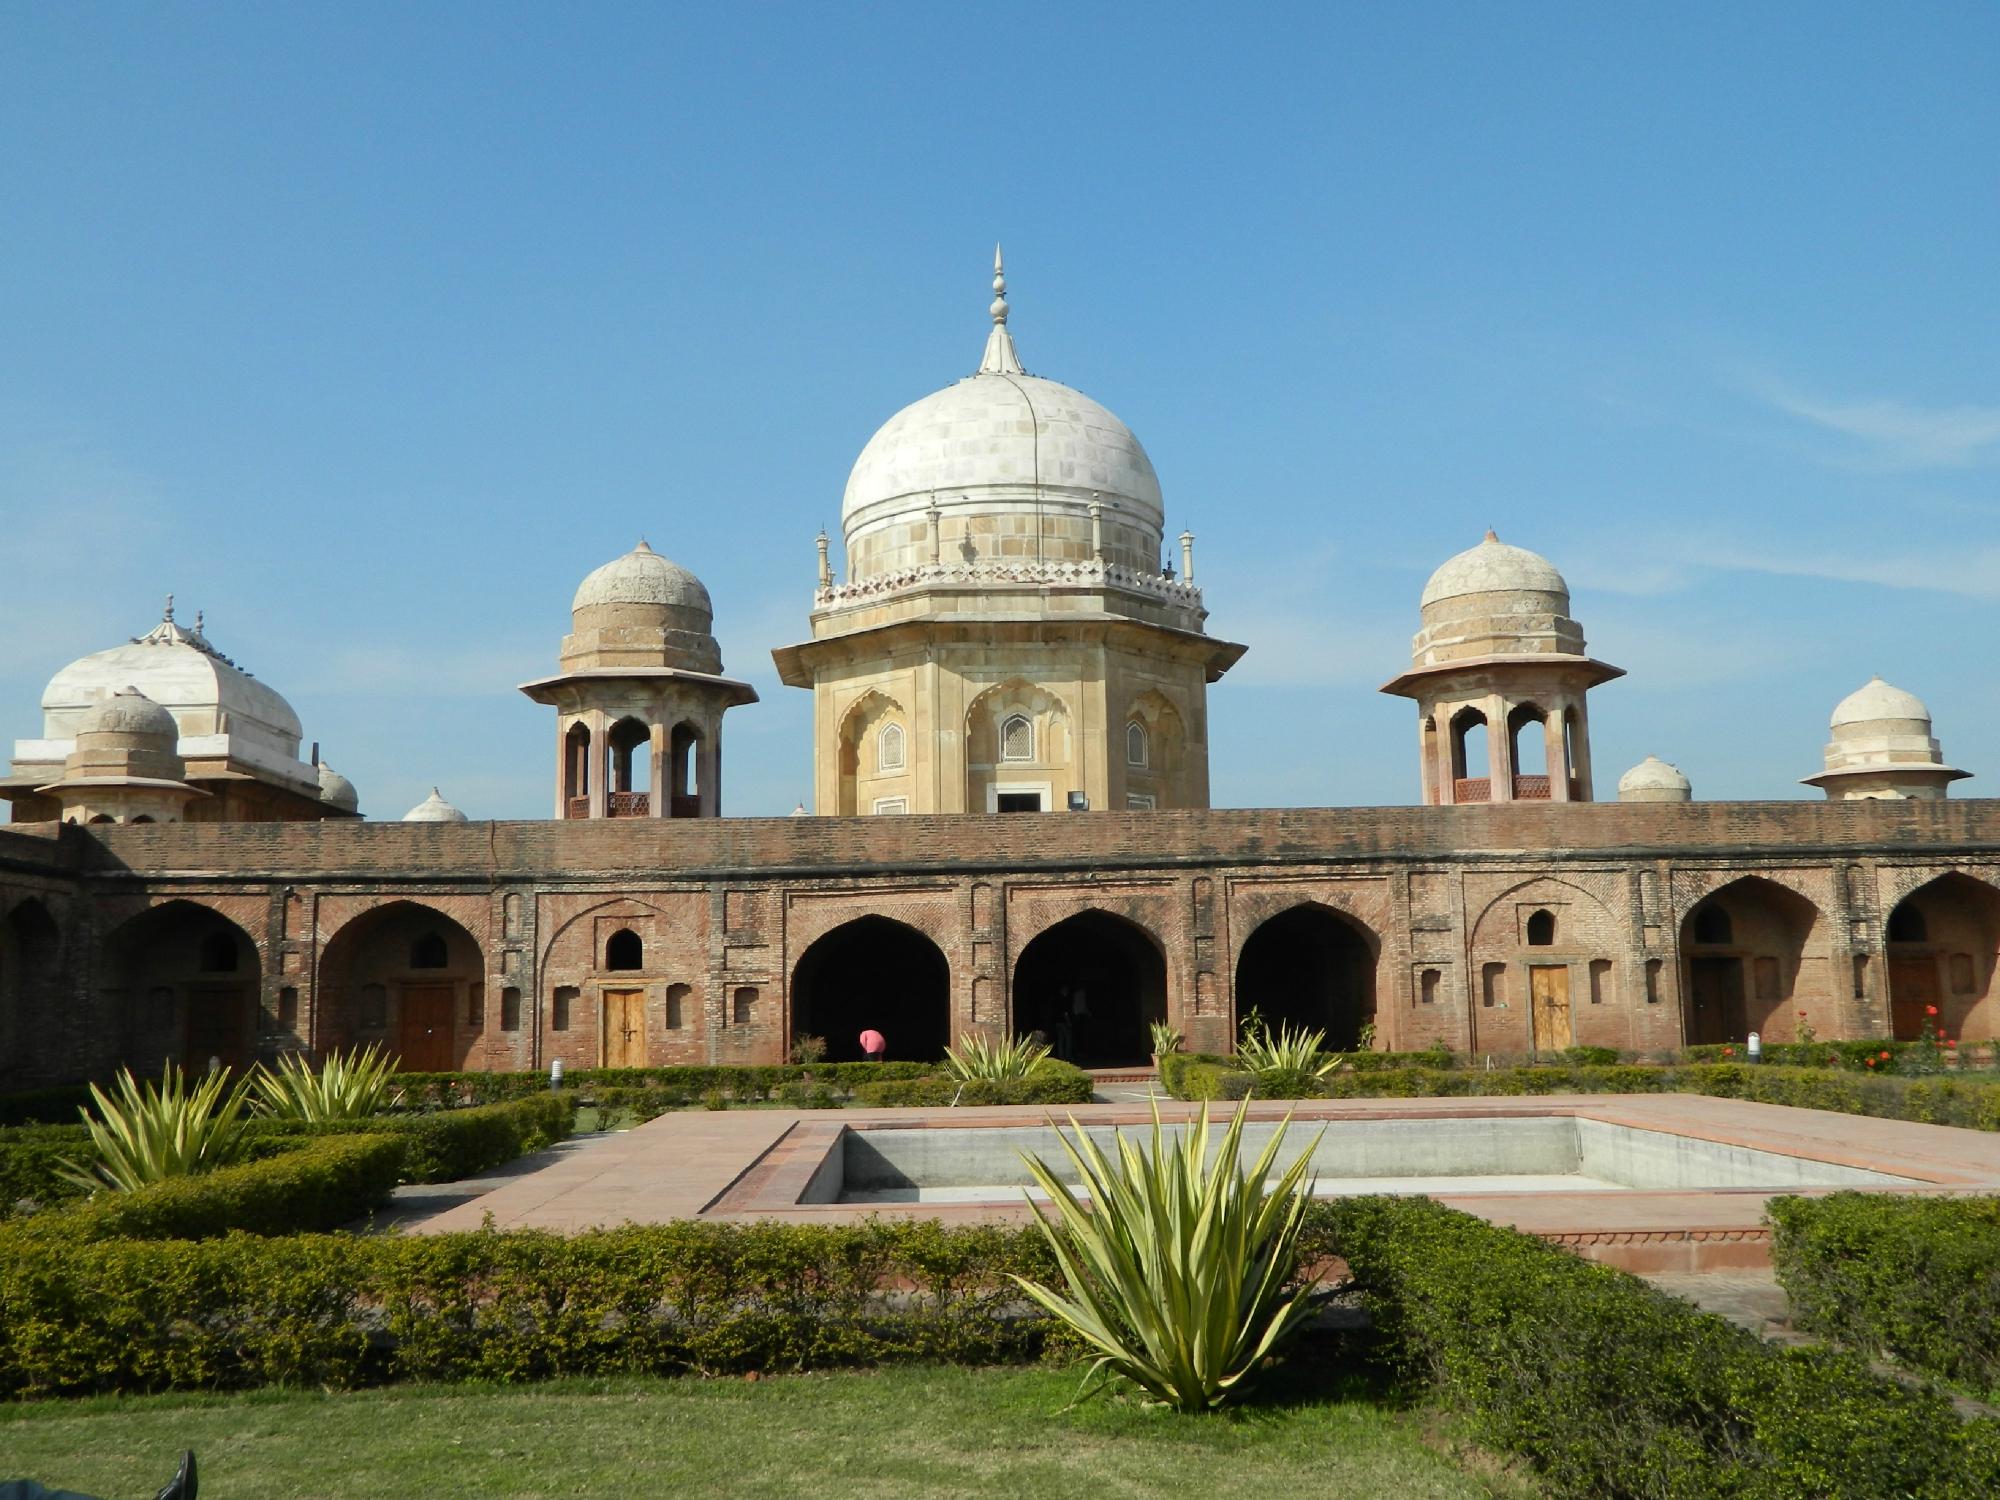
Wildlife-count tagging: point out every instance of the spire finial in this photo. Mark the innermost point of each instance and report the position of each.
(169, 614)
(1492, 535)
(1000, 356)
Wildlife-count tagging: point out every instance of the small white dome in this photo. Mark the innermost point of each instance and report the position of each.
(643, 577)
(434, 809)
(1653, 775)
(1876, 700)
(1494, 567)
(126, 710)
(336, 790)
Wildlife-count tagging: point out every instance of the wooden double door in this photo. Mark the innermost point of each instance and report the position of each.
(624, 1028)
(425, 1031)
(1548, 993)
(1913, 985)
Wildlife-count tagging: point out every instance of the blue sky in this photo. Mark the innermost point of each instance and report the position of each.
(370, 329)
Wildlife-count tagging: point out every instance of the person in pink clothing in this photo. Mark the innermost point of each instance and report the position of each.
(873, 1045)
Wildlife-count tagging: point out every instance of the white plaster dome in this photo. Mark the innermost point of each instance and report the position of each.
(176, 668)
(1495, 567)
(336, 790)
(1875, 701)
(126, 710)
(1654, 780)
(434, 809)
(642, 578)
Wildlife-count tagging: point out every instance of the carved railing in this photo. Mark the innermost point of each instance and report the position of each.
(627, 805)
(1091, 574)
(1531, 789)
(577, 807)
(1472, 789)
(684, 807)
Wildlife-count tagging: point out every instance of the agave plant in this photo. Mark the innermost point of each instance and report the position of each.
(143, 1135)
(1165, 1038)
(1290, 1051)
(1179, 1267)
(347, 1086)
(993, 1062)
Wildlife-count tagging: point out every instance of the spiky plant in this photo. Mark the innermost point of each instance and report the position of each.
(993, 1062)
(1289, 1051)
(1179, 1267)
(1165, 1038)
(347, 1086)
(142, 1134)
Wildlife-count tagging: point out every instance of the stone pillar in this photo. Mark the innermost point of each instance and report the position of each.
(658, 739)
(1499, 751)
(1579, 737)
(710, 770)
(1555, 751)
(600, 763)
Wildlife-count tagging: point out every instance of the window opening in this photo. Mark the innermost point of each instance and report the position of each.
(1541, 929)
(1712, 925)
(1135, 745)
(889, 748)
(1907, 925)
(624, 950)
(1017, 738)
(429, 952)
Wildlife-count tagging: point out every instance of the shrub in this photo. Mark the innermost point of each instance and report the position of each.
(1052, 1082)
(807, 1050)
(1916, 1280)
(1289, 1052)
(1611, 1388)
(142, 1134)
(346, 1086)
(1178, 1273)
(993, 1062)
(315, 1185)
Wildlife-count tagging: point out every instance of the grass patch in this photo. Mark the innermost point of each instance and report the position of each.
(914, 1431)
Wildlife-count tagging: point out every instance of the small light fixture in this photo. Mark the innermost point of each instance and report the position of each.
(1079, 802)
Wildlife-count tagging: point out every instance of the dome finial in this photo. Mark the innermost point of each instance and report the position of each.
(168, 613)
(1000, 356)
(1492, 535)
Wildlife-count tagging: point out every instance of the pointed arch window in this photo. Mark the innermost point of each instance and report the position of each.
(1138, 753)
(889, 748)
(1017, 738)
(429, 952)
(1712, 925)
(625, 950)
(1541, 928)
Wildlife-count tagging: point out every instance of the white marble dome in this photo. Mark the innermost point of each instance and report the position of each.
(1654, 780)
(434, 809)
(642, 577)
(126, 710)
(1875, 701)
(1494, 567)
(336, 790)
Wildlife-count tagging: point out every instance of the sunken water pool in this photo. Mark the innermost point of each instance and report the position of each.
(1533, 1154)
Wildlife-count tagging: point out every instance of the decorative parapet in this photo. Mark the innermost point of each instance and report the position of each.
(1094, 574)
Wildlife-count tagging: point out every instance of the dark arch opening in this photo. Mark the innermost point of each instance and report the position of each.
(874, 974)
(1529, 752)
(430, 951)
(684, 772)
(381, 980)
(629, 774)
(1093, 984)
(183, 981)
(1542, 929)
(1741, 955)
(624, 950)
(1309, 968)
(1944, 947)
(30, 973)
(576, 771)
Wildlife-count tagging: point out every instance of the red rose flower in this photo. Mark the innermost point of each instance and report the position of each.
(1728, 1051)
(1871, 1062)
(1930, 1010)
(1885, 1054)
(1951, 1041)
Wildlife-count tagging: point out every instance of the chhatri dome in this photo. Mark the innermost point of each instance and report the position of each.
(434, 809)
(1653, 780)
(1882, 748)
(1007, 637)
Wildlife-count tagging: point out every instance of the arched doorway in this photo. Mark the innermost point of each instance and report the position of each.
(874, 974)
(1943, 939)
(1312, 969)
(184, 980)
(1742, 953)
(409, 978)
(1092, 984)
(30, 966)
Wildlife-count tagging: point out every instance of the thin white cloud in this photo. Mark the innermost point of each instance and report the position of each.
(1893, 432)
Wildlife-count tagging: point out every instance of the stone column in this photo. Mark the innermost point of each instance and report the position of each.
(600, 763)
(1499, 751)
(1579, 738)
(1555, 751)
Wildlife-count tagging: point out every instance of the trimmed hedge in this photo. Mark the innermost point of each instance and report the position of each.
(314, 1185)
(1611, 1388)
(742, 1082)
(1051, 1082)
(656, 1299)
(1916, 1280)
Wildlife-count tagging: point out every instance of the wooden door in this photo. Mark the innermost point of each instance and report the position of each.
(1548, 992)
(425, 1029)
(624, 1028)
(1715, 996)
(218, 1026)
(1913, 984)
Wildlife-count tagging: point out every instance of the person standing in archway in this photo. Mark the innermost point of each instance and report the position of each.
(874, 1046)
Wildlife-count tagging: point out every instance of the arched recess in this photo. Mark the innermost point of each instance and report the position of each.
(684, 788)
(1545, 969)
(184, 982)
(1471, 763)
(1154, 781)
(1311, 968)
(1748, 968)
(1528, 752)
(628, 778)
(874, 973)
(30, 976)
(1943, 941)
(379, 982)
(576, 771)
(1018, 772)
(1092, 984)
(866, 783)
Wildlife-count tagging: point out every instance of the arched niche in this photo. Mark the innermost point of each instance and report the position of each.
(30, 991)
(1311, 968)
(1018, 751)
(1943, 941)
(869, 780)
(184, 983)
(1092, 984)
(380, 982)
(874, 973)
(1746, 963)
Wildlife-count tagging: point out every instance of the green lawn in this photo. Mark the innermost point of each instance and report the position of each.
(881, 1434)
